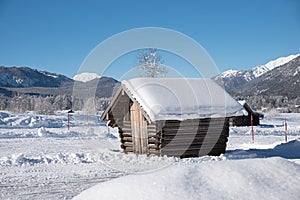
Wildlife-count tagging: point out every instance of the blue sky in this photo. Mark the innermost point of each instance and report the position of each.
(58, 35)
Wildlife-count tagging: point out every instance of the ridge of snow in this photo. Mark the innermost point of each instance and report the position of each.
(280, 61)
(49, 74)
(85, 77)
(229, 73)
(262, 69)
(259, 70)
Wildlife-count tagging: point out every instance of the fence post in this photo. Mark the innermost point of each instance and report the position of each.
(252, 129)
(68, 121)
(285, 129)
(70, 111)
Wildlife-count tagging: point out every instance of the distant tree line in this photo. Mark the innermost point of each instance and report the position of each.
(49, 104)
(266, 103)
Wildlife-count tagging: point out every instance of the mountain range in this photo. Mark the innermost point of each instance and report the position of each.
(26, 77)
(276, 83)
(279, 76)
(283, 80)
(24, 80)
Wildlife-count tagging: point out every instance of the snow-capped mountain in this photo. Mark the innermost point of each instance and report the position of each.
(85, 77)
(262, 69)
(283, 80)
(24, 80)
(24, 77)
(231, 79)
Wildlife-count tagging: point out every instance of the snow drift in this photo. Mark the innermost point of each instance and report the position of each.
(272, 178)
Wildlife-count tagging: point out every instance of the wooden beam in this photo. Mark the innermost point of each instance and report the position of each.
(126, 138)
(110, 105)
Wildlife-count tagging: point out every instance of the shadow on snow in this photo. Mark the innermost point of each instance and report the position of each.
(289, 150)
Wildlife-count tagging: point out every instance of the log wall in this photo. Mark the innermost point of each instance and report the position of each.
(194, 138)
(125, 134)
(190, 138)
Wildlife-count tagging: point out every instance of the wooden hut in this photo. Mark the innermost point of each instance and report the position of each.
(172, 116)
(245, 120)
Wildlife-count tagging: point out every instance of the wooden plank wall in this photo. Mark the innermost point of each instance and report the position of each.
(143, 134)
(135, 128)
(134, 133)
(139, 130)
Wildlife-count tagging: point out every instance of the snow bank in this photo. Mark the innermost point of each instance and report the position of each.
(32, 121)
(250, 174)
(60, 158)
(272, 178)
(59, 120)
(289, 150)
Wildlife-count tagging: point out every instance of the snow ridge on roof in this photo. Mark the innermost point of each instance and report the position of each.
(182, 98)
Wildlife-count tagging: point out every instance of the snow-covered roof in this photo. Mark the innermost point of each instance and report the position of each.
(242, 102)
(181, 98)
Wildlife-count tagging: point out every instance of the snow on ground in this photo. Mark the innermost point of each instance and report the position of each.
(272, 178)
(41, 159)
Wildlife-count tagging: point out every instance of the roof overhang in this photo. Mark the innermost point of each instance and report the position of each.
(122, 90)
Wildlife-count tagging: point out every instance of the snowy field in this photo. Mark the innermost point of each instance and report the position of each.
(41, 159)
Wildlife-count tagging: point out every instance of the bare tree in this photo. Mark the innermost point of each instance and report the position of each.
(43, 105)
(150, 63)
